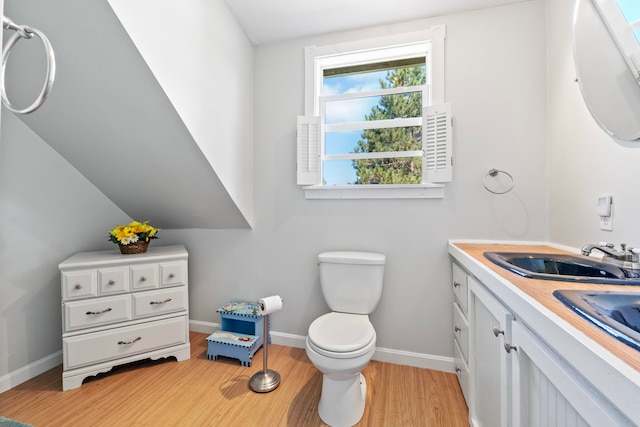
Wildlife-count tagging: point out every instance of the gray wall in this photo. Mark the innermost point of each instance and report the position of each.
(584, 162)
(48, 211)
(495, 79)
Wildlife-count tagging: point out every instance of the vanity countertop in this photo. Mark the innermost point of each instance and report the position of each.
(542, 292)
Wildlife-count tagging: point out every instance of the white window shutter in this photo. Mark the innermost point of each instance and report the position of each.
(308, 136)
(438, 145)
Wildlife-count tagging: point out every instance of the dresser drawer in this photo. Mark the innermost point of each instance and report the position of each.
(79, 284)
(144, 276)
(173, 273)
(152, 303)
(94, 312)
(89, 349)
(113, 280)
(461, 330)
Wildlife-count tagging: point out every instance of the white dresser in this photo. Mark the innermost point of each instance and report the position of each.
(119, 308)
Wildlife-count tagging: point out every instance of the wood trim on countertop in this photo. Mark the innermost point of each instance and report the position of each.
(542, 292)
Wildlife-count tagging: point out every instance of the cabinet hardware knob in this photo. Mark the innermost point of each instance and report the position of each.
(171, 275)
(508, 347)
(456, 284)
(160, 302)
(112, 282)
(497, 332)
(106, 310)
(143, 279)
(129, 342)
(456, 329)
(458, 370)
(78, 286)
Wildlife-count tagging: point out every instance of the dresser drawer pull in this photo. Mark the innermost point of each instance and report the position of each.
(456, 284)
(456, 329)
(171, 275)
(129, 342)
(143, 279)
(112, 282)
(106, 310)
(160, 302)
(78, 286)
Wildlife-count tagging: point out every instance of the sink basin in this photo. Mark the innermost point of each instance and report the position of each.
(617, 313)
(563, 267)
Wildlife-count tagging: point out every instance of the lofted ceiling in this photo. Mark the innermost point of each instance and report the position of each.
(267, 21)
(109, 117)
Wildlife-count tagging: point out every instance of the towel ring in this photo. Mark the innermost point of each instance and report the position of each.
(493, 173)
(23, 31)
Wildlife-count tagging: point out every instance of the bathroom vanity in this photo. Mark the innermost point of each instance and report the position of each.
(524, 359)
(119, 308)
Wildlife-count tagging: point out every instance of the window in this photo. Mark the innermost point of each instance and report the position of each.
(622, 18)
(374, 119)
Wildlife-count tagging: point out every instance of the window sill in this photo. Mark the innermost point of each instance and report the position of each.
(389, 191)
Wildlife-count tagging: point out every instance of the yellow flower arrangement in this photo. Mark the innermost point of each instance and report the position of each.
(135, 231)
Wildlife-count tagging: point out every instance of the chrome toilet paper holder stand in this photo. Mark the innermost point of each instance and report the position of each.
(267, 379)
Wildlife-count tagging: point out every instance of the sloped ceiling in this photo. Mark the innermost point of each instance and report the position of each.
(108, 116)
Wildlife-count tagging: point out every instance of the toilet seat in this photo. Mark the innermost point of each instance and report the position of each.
(341, 335)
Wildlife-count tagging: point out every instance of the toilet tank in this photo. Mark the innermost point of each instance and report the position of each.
(351, 282)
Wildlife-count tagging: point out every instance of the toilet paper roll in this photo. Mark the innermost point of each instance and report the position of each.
(270, 304)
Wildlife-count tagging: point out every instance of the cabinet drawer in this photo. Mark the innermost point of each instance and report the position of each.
(95, 312)
(79, 284)
(460, 287)
(116, 343)
(144, 276)
(152, 303)
(113, 280)
(461, 330)
(462, 371)
(173, 273)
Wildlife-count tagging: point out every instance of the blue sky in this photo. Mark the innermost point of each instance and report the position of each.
(341, 172)
(631, 11)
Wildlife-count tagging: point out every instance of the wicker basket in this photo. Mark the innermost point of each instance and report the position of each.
(138, 247)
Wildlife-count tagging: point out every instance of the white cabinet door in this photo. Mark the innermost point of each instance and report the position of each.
(547, 392)
(489, 361)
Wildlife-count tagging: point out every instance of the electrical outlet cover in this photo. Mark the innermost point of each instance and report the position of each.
(606, 223)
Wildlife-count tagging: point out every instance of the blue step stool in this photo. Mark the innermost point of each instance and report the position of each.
(232, 344)
(243, 317)
(241, 320)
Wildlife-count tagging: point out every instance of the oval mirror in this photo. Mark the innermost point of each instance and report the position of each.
(606, 81)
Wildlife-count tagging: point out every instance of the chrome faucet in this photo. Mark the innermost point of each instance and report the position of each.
(605, 248)
(626, 257)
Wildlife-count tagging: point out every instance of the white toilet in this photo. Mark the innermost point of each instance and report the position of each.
(341, 343)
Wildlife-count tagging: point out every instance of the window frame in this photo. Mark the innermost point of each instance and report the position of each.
(417, 50)
(317, 58)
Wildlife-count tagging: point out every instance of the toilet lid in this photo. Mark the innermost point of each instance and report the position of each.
(341, 332)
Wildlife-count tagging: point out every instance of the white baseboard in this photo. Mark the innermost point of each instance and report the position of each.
(32, 370)
(418, 360)
(203, 327)
(388, 355)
